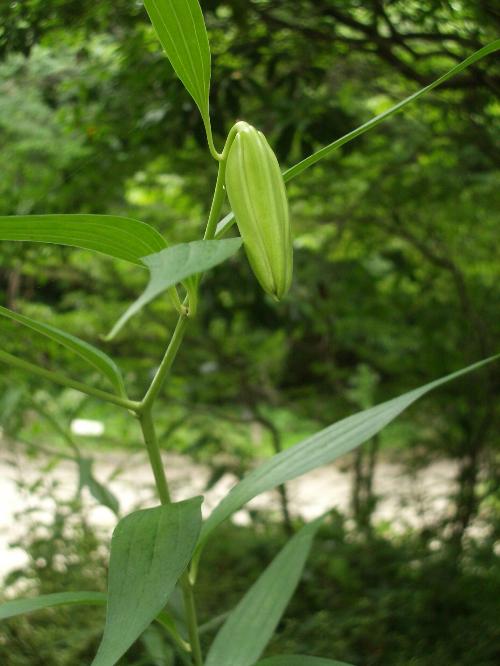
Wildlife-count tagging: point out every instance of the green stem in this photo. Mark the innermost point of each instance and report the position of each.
(168, 623)
(210, 139)
(143, 409)
(58, 378)
(165, 365)
(191, 620)
(149, 434)
(217, 201)
(220, 191)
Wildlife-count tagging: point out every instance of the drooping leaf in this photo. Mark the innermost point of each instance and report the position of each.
(98, 490)
(120, 237)
(149, 551)
(181, 30)
(95, 357)
(249, 627)
(175, 264)
(326, 151)
(299, 660)
(22, 606)
(322, 448)
(63, 380)
(17, 607)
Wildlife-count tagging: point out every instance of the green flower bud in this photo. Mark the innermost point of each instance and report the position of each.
(257, 195)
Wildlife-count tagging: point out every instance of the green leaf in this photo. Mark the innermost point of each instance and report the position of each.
(173, 265)
(63, 380)
(149, 551)
(95, 357)
(181, 30)
(250, 626)
(299, 660)
(326, 151)
(22, 606)
(120, 237)
(99, 491)
(318, 450)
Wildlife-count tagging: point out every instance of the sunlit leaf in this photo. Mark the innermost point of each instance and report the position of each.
(95, 357)
(250, 626)
(318, 450)
(175, 264)
(120, 237)
(181, 30)
(149, 551)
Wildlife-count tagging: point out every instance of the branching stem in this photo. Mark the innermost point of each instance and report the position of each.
(165, 365)
(143, 409)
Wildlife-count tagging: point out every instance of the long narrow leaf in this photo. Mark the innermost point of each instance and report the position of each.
(149, 551)
(95, 357)
(181, 30)
(22, 606)
(17, 607)
(326, 151)
(250, 626)
(299, 660)
(173, 265)
(322, 448)
(120, 237)
(63, 380)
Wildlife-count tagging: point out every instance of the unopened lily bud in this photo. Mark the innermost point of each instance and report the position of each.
(257, 195)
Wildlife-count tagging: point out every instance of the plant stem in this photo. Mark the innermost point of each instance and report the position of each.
(143, 409)
(61, 379)
(150, 439)
(165, 365)
(191, 619)
(217, 201)
(210, 139)
(219, 192)
(149, 434)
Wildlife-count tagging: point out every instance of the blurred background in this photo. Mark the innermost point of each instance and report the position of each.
(396, 283)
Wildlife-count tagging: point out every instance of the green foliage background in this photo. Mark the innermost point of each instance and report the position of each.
(396, 240)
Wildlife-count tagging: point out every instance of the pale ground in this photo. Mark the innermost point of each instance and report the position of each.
(407, 501)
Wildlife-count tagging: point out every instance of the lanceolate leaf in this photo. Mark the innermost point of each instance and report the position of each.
(120, 237)
(249, 627)
(299, 660)
(320, 449)
(175, 264)
(22, 606)
(181, 30)
(326, 151)
(95, 357)
(149, 551)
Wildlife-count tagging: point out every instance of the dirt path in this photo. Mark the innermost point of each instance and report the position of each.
(406, 501)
